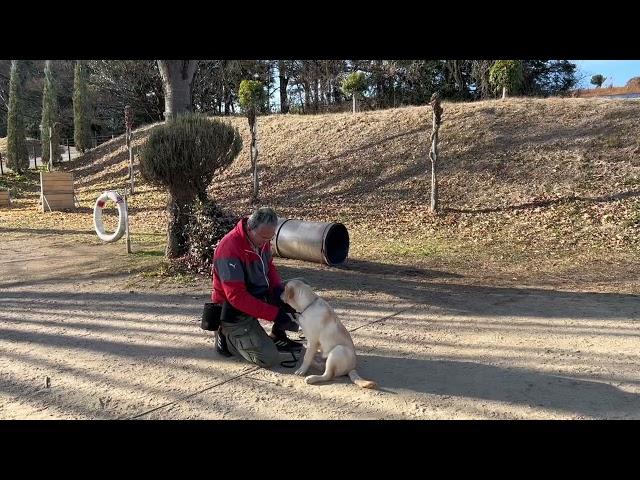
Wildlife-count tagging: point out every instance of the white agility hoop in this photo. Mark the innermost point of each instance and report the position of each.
(122, 216)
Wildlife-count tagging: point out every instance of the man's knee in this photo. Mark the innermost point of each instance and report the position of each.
(252, 343)
(265, 354)
(270, 357)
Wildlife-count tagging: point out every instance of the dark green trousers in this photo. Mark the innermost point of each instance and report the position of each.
(247, 338)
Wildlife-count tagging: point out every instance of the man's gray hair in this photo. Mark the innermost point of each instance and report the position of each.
(262, 216)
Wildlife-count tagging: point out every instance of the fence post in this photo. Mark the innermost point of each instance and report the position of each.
(35, 158)
(128, 121)
(50, 149)
(68, 151)
(1, 170)
(126, 225)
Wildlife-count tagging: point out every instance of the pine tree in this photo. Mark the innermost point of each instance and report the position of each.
(49, 116)
(81, 119)
(17, 153)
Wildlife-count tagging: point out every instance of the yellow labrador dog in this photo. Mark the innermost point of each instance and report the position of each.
(324, 333)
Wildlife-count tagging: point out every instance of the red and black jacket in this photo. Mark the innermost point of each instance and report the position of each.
(242, 276)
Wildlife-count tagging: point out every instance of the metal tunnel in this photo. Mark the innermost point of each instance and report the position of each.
(320, 242)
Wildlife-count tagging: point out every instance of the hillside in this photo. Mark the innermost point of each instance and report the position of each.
(608, 91)
(542, 191)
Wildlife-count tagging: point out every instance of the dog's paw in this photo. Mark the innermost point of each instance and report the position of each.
(301, 372)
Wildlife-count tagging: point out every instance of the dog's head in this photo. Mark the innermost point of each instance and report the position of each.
(297, 294)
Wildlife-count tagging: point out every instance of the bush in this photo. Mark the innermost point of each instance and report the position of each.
(206, 227)
(184, 154)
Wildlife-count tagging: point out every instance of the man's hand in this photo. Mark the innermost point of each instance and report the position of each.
(277, 291)
(277, 301)
(284, 321)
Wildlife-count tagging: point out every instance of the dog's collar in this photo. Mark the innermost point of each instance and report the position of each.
(307, 307)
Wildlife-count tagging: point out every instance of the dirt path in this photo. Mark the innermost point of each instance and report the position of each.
(438, 348)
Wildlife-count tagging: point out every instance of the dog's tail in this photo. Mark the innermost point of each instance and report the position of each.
(361, 382)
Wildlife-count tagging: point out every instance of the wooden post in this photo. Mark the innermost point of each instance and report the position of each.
(433, 153)
(254, 145)
(68, 151)
(126, 225)
(50, 149)
(128, 121)
(1, 170)
(131, 166)
(35, 158)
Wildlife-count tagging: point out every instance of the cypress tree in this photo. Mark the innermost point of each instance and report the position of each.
(81, 119)
(49, 116)
(17, 153)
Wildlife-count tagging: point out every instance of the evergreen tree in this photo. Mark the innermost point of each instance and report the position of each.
(81, 118)
(49, 116)
(17, 153)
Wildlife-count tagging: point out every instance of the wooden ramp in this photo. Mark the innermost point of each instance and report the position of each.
(5, 199)
(56, 191)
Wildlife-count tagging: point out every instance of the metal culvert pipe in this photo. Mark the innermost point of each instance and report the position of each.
(321, 242)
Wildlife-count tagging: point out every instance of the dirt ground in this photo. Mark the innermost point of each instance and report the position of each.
(117, 346)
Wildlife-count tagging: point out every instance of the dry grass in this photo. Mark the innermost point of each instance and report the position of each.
(603, 92)
(532, 190)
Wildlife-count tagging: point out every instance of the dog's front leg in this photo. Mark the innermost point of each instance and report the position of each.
(309, 354)
(318, 362)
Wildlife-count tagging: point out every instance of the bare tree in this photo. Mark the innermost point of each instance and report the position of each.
(284, 75)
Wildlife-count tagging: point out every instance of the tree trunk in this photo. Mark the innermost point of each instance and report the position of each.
(50, 167)
(504, 92)
(177, 78)
(177, 220)
(307, 95)
(354, 102)
(284, 80)
(316, 96)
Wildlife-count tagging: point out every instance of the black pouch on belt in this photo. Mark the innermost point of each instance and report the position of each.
(228, 313)
(211, 316)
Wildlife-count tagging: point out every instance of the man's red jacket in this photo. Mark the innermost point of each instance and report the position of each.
(241, 275)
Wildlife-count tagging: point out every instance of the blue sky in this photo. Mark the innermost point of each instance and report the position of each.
(617, 72)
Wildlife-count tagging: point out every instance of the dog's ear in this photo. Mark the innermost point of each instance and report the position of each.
(288, 292)
(300, 279)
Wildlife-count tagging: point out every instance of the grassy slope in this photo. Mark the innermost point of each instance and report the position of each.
(533, 191)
